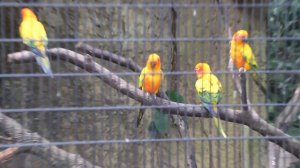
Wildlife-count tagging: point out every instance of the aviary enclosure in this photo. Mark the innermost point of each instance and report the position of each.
(71, 86)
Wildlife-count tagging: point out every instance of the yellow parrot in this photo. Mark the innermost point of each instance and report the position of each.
(34, 35)
(242, 56)
(150, 79)
(209, 90)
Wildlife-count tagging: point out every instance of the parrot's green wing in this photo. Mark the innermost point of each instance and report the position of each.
(141, 78)
(249, 57)
(210, 98)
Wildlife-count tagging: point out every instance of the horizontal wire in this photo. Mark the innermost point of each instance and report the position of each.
(168, 140)
(179, 39)
(168, 73)
(126, 107)
(146, 5)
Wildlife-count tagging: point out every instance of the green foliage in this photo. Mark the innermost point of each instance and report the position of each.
(160, 123)
(283, 54)
(175, 96)
(295, 165)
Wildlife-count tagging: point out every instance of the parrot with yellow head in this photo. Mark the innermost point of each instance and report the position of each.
(34, 35)
(209, 90)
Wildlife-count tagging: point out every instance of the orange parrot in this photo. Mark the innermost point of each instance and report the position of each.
(242, 56)
(150, 79)
(241, 52)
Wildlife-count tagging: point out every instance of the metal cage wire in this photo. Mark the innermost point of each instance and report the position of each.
(97, 50)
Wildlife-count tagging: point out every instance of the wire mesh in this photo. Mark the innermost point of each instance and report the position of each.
(90, 106)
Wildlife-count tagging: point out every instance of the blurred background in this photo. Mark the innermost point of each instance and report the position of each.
(182, 33)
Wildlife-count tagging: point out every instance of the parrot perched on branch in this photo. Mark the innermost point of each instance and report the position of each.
(34, 35)
(242, 56)
(209, 88)
(150, 79)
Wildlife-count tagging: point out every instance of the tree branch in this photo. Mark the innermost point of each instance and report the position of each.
(7, 153)
(57, 156)
(284, 119)
(244, 92)
(251, 119)
(106, 55)
(117, 59)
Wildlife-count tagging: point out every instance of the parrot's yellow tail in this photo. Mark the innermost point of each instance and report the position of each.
(219, 126)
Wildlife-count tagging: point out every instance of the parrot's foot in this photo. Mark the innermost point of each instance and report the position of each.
(153, 96)
(241, 70)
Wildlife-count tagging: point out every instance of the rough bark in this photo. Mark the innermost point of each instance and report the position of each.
(55, 155)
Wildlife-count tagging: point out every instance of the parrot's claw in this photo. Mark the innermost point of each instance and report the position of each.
(241, 70)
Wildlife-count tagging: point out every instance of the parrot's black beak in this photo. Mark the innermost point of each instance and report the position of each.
(153, 64)
(245, 40)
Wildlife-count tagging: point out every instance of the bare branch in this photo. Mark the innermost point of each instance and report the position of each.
(57, 156)
(3, 138)
(106, 55)
(7, 154)
(244, 92)
(251, 119)
(284, 119)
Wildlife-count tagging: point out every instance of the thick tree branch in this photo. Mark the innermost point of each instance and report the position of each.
(57, 156)
(284, 119)
(251, 119)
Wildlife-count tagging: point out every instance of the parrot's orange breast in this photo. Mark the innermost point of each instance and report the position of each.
(152, 83)
(237, 57)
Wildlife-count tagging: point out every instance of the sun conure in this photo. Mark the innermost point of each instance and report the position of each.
(150, 79)
(209, 90)
(34, 35)
(242, 56)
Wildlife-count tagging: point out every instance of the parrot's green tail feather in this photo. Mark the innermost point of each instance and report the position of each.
(258, 81)
(219, 126)
(140, 116)
(214, 112)
(43, 61)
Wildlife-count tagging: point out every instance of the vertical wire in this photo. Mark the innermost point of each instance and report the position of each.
(202, 120)
(162, 54)
(144, 60)
(234, 128)
(219, 47)
(2, 68)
